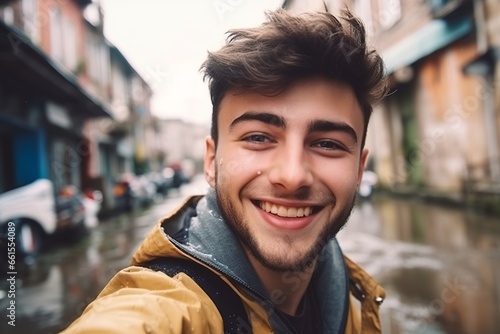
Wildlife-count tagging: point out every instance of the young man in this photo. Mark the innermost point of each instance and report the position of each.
(291, 103)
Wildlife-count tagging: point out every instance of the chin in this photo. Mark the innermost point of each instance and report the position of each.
(285, 256)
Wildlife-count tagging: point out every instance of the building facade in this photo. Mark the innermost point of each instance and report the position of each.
(72, 108)
(43, 107)
(179, 148)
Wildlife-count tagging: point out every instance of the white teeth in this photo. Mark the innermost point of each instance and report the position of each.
(307, 211)
(292, 212)
(300, 212)
(283, 211)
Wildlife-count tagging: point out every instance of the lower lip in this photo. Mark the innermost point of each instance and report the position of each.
(285, 223)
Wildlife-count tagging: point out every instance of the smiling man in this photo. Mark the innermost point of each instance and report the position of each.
(291, 103)
(299, 161)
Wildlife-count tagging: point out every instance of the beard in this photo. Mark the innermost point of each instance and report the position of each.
(240, 226)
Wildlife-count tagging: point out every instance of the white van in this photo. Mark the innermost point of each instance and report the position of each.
(36, 213)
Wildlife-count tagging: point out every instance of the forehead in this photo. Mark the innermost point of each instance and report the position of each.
(303, 101)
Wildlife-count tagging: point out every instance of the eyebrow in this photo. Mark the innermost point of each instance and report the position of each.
(326, 126)
(263, 117)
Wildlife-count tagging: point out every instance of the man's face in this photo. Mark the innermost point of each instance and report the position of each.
(286, 169)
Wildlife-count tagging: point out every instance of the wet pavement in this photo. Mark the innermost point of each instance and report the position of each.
(439, 266)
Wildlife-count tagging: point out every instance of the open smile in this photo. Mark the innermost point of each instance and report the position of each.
(287, 217)
(287, 211)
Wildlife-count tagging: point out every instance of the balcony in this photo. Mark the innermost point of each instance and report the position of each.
(449, 8)
(24, 65)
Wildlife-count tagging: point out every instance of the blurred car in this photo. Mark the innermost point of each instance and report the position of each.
(125, 193)
(92, 201)
(32, 213)
(70, 209)
(147, 190)
(132, 192)
(368, 181)
(179, 177)
(163, 181)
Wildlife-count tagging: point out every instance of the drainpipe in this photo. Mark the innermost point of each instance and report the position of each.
(485, 71)
(491, 128)
(480, 21)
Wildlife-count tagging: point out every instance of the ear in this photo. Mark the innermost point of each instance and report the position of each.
(209, 161)
(362, 164)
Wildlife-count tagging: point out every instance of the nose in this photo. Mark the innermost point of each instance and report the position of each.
(291, 169)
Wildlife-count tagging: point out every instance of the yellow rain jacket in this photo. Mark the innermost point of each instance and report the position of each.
(140, 300)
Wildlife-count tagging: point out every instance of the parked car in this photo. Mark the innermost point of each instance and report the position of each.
(92, 201)
(163, 181)
(125, 193)
(179, 176)
(147, 190)
(368, 181)
(36, 213)
(132, 192)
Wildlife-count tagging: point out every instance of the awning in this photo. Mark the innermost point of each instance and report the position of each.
(25, 65)
(425, 41)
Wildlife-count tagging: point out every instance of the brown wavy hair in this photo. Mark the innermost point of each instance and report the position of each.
(286, 48)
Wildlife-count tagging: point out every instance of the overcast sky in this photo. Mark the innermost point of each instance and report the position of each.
(166, 42)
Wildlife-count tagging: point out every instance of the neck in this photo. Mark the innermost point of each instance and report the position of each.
(285, 289)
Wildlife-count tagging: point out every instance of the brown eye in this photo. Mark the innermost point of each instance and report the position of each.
(329, 145)
(257, 138)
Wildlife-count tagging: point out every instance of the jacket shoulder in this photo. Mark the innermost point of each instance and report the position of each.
(156, 243)
(136, 299)
(370, 294)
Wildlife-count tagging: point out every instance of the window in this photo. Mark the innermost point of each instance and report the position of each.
(389, 12)
(8, 15)
(69, 44)
(56, 39)
(63, 41)
(30, 19)
(363, 9)
(98, 60)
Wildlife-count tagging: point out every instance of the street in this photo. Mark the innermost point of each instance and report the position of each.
(438, 265)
